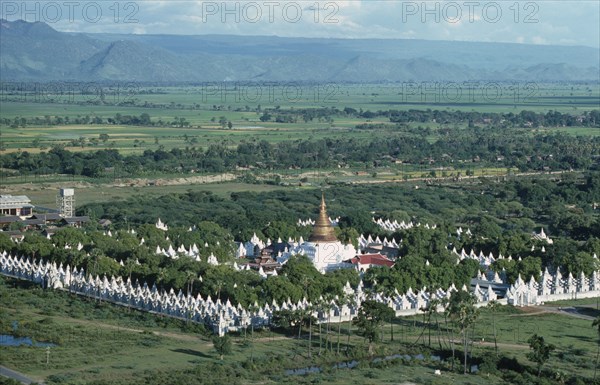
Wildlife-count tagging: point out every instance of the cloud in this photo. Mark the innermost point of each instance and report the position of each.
(538, 40)
(542, 22)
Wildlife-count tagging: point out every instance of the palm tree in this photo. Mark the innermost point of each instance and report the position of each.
(388, 292)
(190, 277)
(301, 315)
(161, 274)
(218, 288)
(340, 302)
(351, 301)
(95, 255)
(422, 309)
(319, 307)
(431, 310)
(494, 306)
(328, 306)
(306, 281)
(129, 266)
(310, 317)
(596, 324)
(449, 328)
(252, 309)
(463, 311)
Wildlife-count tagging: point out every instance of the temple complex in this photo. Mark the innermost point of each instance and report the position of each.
(322, 248)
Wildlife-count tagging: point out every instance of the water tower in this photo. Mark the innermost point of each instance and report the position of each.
(65, 200)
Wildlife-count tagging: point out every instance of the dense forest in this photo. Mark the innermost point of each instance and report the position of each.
(563, 205)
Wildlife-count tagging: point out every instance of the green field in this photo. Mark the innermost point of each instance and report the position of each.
(46, 196)
(235, 97)
(202, 107)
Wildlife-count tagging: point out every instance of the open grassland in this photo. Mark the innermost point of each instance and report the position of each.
(102, 342)
(46, 196)
(136, 139)
(240, 97)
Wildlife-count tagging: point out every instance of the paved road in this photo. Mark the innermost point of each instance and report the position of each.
(6, 372)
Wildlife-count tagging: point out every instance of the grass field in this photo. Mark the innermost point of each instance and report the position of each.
(47, 197)
(99, 341)
(236, 97)
(129, 139)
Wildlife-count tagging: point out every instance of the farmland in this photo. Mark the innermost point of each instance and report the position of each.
(203, 107)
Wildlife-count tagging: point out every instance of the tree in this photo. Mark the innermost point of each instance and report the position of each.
(222, 345)
(310, 310)
(494, 306)
(328, 304)
(431, 310)
(447, 314)
(286, 319)
(369, 319)
(340, 301)
(463, 312)
(390, 292)
(540, 353)
(190, 277)
(596, 324)
(319, 305)
(6, 244)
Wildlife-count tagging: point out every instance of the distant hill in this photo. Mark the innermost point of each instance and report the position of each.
(35, 51)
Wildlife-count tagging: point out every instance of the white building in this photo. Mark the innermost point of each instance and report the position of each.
(322, 248)
(19, 205)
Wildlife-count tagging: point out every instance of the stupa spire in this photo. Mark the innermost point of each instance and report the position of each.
(323, 230)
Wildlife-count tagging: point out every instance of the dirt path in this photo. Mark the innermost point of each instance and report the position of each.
(539, 310)
(227, 177)
(129, 182)
(569, 310)
(173, 335)
(17, 376)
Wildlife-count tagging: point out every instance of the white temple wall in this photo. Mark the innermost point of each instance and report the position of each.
(224, 317)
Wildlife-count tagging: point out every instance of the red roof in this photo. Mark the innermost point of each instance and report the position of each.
(372, 259)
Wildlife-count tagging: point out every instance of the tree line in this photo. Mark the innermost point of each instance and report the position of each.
(455, 148)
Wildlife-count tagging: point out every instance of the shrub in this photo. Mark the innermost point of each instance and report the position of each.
(511, 364)
(489, 364)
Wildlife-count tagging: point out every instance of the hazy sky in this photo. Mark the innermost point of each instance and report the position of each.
(537, 22)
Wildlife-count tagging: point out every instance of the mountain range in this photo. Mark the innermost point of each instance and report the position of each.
(37, 52)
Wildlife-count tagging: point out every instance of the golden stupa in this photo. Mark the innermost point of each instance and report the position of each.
(323, 230)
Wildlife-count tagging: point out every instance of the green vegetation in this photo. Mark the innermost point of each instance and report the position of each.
(270, 159)
(488, 139)
(540, 351)
(99, 343)
(370, 318)
(461, 308)
(509, 150)
(222, 345)
(502, 216)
